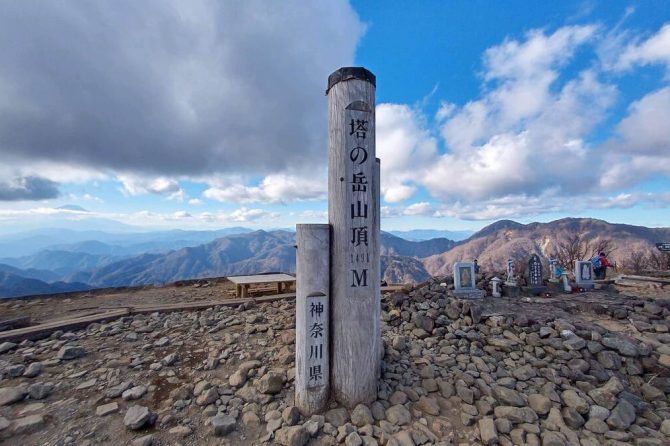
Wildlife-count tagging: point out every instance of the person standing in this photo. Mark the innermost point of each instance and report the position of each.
(600, 265)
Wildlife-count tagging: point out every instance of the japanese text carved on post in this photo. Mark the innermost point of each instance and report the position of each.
(353, 209)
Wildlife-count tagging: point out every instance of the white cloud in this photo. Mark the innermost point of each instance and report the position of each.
(422, 208)
(646, 129)
(519, 206)
(508, 142)
(311, 215)
(404, 147)
(134, 185)
(275, 188)
(641, 147)
(247, 215)
(144, 218)
(195, 202)
(654, 50)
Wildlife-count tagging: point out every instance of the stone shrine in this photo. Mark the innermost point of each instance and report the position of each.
(465, 284)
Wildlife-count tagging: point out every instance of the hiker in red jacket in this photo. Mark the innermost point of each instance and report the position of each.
(600, 265)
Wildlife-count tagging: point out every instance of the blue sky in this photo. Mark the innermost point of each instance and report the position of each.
(208, 115)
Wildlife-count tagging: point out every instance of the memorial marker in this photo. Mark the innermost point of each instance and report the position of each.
(353, 214)
(584, 273)
(535, 281)
(510, 280)
(464, 281)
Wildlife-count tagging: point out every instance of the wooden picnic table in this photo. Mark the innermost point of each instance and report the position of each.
(242, 283)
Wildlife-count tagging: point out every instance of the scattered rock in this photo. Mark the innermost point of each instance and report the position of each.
(222, 425)
(292, 436)
(136, 417)
(361, 415)
(106, 409)
(28, 424)
(33, 370)
(271, 383)
(488, 431)
(70, 352)
(11, 395)
(398, 415)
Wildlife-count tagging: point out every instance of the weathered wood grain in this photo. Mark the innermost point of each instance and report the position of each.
(355, 311)
(312, 272)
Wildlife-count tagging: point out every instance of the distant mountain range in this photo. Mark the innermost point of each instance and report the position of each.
(82, 260)
(494, 244)
(97, 264)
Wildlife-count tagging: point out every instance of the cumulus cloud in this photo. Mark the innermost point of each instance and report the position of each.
(645, 130)
(509, 141)
(405, 146)
(170, 88)
(28, 188)
(524, 147)
(641, 146)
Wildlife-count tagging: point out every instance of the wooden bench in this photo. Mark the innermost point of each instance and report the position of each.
(242, 283)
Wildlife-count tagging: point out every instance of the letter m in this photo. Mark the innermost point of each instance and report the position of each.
(358, 280)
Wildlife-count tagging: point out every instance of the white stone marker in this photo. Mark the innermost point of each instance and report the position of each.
(311, 319)
(584, 274)
(495, 287)
(566, 283)
(353, 213)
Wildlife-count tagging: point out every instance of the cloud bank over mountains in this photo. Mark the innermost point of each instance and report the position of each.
(229, 95)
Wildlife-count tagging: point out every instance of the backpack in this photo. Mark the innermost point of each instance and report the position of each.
(595, 261)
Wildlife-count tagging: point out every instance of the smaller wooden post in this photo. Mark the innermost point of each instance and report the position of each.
(312, 319)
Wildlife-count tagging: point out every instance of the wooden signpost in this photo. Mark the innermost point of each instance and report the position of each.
(348, 260)
(353, 214)
(311, 320)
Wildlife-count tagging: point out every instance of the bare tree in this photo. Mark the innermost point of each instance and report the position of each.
(570, 249)
(604, 245)
(636, 262)
(659, 260)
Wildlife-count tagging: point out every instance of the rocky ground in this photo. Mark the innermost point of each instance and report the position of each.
(583, 369)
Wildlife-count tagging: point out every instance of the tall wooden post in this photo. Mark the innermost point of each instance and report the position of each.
(353, 214)
(311, 318)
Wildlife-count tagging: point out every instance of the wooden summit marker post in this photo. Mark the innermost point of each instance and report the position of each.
(311, 318)
(353, 214)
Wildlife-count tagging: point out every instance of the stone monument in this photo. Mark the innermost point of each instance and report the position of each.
(465, 285)
(511, 287)
(353, 214)
(584, 274)
(535, 281)
(510, 280)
